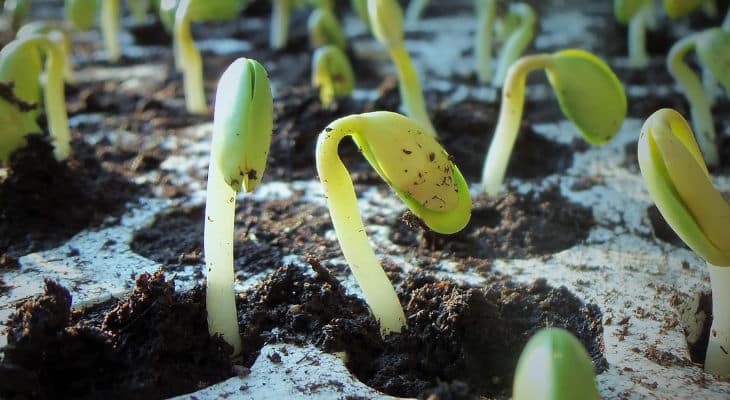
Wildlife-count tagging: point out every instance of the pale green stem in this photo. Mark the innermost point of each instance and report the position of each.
(698, 104)
(190, 62)
(220, 210)
(510, 117)
(110, 28)
(342, 201)
(280, 11)
(517, 43)
(409, 87)
(717, 360)
(54, 96)
(483, 43)
(414, 10)
(638, 56)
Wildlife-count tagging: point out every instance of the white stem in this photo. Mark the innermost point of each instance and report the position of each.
(717, 360)
(508, 124)
(342, 201)
(220, 209)
(110, 28)
(638, 56)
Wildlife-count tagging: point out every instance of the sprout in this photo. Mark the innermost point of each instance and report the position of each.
(18, 10)
(324, 29)
(81, 13)
(187, 56)
(361, 8)
(486, 15)
(56, 32)
(242, 126)
(20, 65)
(518, 40)
(332, 73)
(589, 93)
(420, 172)
(680, 185)
(110, 28)
(554, 366)
(280, 12)
(414, 10)
(635, 13)
(713, 50)
(386, 19)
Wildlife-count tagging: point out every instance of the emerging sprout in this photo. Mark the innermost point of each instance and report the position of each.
(414, 10)
(280, 12)
(386, 19)
(554, 366)
(486, 15)
(187, 56)
(242, 126)
(518, 40)
(589, 93)
(713, 50)
(332, 73)
(20, 66)
(56, 32)
(421, 174)
(324, 29)
(81, 13)
(681, 187)
(637, 14)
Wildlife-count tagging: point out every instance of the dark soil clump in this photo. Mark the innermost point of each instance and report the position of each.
(44, 202)
(512, 225)
(155, 344)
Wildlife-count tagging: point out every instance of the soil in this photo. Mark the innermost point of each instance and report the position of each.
(511, 225)
(44, 202)
(155, 343)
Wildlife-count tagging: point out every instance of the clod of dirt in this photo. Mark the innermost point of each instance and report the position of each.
(44, 202)
(512, 225)
(153, 345)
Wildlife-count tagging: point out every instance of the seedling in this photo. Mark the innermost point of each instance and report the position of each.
(139, 9)
(414, 10)
(332, 73)
(280, 13)
(17, 10)
(637, 14)
(386, 20)
(713, 51)
(242, 126)
(554, 366)
(324, 29)
(20, 66)
(518, 40)
(680, 8)
(486, 16)
(589, 93)
(420, 172)
(58, 33)
(109, 22)
(361, 9)
(81, 13)
(680, 185)
(187, 56)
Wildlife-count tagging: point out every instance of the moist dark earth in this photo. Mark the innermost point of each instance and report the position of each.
(461, 342)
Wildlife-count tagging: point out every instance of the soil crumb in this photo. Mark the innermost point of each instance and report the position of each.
(153, 345)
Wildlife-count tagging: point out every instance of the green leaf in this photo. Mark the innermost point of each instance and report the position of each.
(713, 49)
(554, 366)
(243, 123)
(589, 93)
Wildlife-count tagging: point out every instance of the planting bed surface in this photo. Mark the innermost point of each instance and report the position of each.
(572, 242)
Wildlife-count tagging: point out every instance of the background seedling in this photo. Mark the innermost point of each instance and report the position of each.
(332, 73)
(324, 29)
(386, 20)
(419, 171)
(486, 16)
(242, 126)
(713, 50)
(518, 40)
(81, 13)
(56, 32)
(414, 10)
(583, 84)
(680, 185)
(637, 14)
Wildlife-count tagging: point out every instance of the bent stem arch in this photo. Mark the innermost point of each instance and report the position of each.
(418, 170)
(582, 82)
(517, 42)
